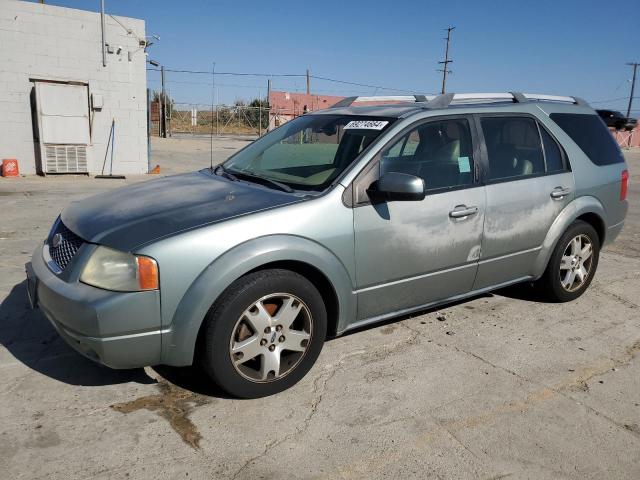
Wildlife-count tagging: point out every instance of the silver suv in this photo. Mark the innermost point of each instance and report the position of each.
(337, 219)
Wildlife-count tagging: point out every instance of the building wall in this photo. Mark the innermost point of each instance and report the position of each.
(285, 106)
(47, 42)
(627, 139)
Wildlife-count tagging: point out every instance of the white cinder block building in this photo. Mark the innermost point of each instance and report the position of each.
(57, 99)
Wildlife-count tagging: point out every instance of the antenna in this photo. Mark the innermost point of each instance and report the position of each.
(213, 92)
(446, 61)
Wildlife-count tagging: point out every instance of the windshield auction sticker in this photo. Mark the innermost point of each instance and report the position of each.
(366, 124)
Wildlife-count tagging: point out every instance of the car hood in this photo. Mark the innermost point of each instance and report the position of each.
(134, 215)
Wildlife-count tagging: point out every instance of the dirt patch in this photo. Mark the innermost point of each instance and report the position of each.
(174, 404)
(388, 330)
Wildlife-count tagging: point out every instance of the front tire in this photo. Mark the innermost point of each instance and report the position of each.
(264, 333)
(573, 263)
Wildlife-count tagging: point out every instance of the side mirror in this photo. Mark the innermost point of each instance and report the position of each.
(398, 186)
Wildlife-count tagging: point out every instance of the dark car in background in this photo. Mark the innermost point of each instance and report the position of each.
(614, 119)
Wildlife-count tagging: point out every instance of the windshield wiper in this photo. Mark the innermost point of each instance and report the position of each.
(224, 172)
(262, 180)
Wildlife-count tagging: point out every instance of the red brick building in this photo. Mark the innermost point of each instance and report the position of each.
(285, 106)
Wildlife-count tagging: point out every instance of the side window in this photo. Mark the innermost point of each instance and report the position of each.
(438, 151)
(406, 147)
(552, 153)
(591, 135)
(513, 146)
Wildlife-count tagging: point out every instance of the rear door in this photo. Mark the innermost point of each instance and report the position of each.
(63, 122)
(411, 253)
(528, 183)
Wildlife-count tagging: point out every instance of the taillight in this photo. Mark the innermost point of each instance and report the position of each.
(624, 185)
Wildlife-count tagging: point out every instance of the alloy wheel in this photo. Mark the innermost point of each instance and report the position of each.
(271, 337)
(576, 262)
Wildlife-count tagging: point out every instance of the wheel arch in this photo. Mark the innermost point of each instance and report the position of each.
(597, 222)
(586, 208)
(302, 255)
(319, 280)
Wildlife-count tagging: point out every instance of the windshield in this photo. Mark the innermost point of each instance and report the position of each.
(309, 152)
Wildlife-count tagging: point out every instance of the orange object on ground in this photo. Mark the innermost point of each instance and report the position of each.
(10, 167)
(155, 169)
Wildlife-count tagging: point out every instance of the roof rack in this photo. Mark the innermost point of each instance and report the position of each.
(447, 99)
(346, 102)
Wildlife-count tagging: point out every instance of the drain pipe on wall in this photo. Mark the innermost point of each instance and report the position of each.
(104, 45)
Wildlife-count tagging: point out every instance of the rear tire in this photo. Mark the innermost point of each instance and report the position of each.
(572, 265)
(264, 333)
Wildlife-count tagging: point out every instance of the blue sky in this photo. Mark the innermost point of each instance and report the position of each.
(564, 47)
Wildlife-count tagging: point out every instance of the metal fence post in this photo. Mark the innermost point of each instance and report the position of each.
(163, 106)
(148, 130)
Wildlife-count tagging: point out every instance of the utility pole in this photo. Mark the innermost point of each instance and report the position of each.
(216, 92)
(163, 105)
(269, 103)
(446, 61)
(308, 83)
(633, 86)
(259, 113)
(213, 100)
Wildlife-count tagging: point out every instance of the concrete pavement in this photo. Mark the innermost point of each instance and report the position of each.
(501, 386)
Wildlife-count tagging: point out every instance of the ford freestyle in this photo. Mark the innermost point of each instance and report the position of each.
(337, 219)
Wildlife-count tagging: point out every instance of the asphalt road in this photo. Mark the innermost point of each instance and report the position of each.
(501, 386)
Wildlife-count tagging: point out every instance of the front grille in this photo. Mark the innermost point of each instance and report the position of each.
(67, 246)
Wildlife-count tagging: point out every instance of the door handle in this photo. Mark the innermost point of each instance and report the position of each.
(560, 192)
(461, 211)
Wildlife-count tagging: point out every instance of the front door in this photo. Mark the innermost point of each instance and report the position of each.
(528, 184)
(411, 253)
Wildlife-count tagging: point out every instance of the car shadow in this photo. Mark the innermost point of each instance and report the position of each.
(33, 341)
(193, 379)
(521, 291)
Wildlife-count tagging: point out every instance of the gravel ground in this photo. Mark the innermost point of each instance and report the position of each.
(500, 386)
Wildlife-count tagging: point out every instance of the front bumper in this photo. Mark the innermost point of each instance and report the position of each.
(117, 329)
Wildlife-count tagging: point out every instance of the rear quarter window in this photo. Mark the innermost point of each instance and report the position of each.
(591, 135)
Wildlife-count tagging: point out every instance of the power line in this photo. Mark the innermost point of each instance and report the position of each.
(238, 74)
(153, 80)
(611, 100)
(289, 75)
(238, 85)
(344, 82)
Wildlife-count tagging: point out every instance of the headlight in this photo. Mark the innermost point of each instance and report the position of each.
(120, 271)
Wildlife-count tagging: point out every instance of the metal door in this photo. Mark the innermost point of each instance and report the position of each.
(63, 122)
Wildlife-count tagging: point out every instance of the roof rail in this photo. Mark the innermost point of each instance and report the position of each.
(555, 98)
(444, 100)
(348, 101)
(447, 99)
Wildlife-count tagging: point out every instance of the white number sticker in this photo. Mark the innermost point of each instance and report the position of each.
(366, 124)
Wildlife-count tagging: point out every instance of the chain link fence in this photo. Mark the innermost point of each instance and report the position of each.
(200, 119)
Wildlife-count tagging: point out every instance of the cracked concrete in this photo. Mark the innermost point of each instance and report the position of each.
(522, 389)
